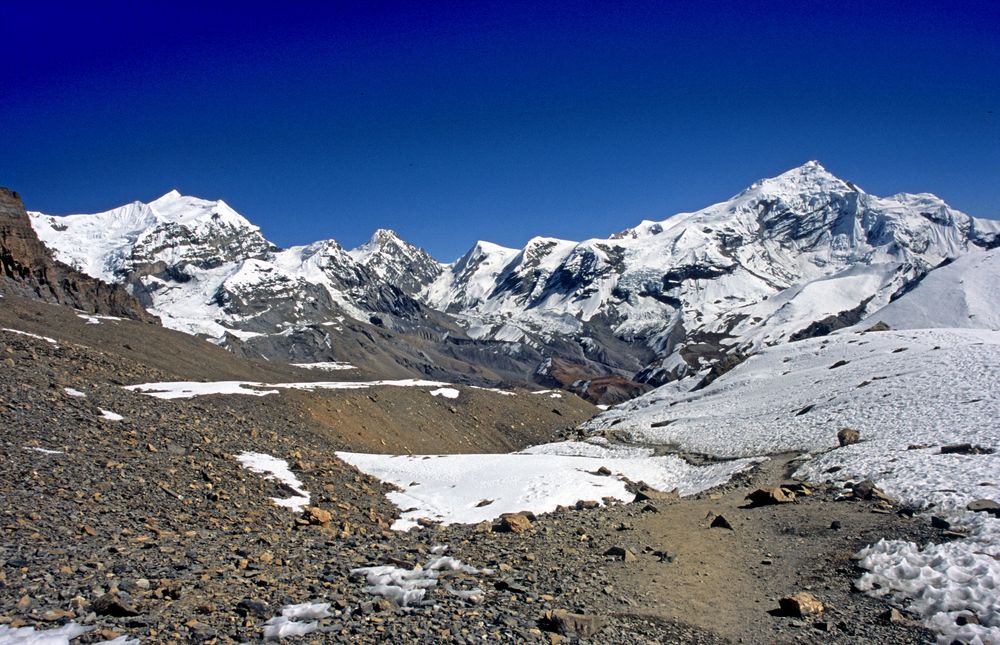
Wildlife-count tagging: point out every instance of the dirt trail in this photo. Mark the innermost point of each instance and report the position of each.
(726, 581)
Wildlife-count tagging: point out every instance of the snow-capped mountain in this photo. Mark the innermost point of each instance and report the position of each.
(397, 262)
(790, 257)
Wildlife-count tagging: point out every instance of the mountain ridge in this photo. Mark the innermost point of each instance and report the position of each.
(790, 255)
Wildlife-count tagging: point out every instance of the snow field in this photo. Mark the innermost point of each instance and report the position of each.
(452, 489)
(190, 389)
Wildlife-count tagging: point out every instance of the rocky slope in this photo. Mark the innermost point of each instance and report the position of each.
(145, 525)
(27, 267)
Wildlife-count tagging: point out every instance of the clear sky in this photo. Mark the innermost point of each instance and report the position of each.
(495, 120)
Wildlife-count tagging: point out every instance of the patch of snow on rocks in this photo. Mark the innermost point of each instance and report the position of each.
(74, 393)
(57, 636)
(942, 582)
(108, 415)
(446, 392)
(289, 622)
(407, 587)
(52, 341)
(274, 468)
(191, 389)
(44, 451)
(325, 366)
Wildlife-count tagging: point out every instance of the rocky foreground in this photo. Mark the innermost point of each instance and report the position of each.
(148, 527)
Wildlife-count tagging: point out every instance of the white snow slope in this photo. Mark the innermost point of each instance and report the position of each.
(965, 293)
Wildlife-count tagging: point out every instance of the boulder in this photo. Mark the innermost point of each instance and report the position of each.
(984, 506)
(316, 515)
(113, 604)
(769, 496)
(621, 553)
(848, 436)
(512, 523)
(801, 605)
(570, 624)
(646, 494)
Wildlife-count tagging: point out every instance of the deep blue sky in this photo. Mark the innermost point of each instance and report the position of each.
(494, 121)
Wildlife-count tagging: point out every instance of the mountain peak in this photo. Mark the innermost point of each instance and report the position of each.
(810, 177)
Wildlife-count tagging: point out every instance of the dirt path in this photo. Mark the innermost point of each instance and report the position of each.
(726, 581)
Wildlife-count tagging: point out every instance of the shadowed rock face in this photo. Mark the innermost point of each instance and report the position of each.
(28, 269)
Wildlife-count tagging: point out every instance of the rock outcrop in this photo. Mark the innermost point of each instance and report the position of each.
(28, 269)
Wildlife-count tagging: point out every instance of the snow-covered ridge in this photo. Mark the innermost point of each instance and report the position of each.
(754, 270)
(789, 257)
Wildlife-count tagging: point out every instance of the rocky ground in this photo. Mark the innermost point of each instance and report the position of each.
(148, 527)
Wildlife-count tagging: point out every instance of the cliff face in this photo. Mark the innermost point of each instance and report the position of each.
(27, 268)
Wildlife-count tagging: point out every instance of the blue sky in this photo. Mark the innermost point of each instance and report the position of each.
(496, 121)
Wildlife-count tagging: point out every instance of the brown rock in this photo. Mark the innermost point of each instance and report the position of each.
(512, 523)
(621, 553)
(112, 604)
(645, 494)
(984, 506)
(801, 605)
(769, 496)
(568, 623)
(317, 515)
(848, 436)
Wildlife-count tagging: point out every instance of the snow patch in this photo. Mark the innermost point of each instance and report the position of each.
(52, 341)
(289, 622)
(57, 636)
(325, 366)
(108, 415)
(44, 451)
(74, 393)
(274, 468)
(190, 389)
(407, 587)
(446, 392)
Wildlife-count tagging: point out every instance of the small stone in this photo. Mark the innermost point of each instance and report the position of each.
(848, 436)
(865, 489)
(892, 615)
(253, 607)
(112, 604)
(801, 605)
(940, 523)
(622, 553)
(318, 516)
(604, 471)
(720, 522)
(836, 525)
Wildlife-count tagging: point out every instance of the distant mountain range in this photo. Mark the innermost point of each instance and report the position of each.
(790, 257)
